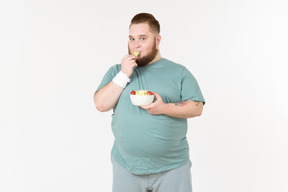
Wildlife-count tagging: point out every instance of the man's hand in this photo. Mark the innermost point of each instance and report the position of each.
(127, 64)
(183, 109)
(157, 107)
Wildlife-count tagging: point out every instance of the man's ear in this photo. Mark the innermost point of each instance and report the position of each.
(158, 39)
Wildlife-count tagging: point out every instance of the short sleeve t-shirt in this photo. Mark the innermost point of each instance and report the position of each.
(145, 143)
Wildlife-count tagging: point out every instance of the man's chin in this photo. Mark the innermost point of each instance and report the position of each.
(146, 60)
(143, 62)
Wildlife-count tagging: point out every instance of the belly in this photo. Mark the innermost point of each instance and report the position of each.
(154, 137)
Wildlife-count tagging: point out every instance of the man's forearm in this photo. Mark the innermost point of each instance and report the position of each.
(184, 109)
(107, 97)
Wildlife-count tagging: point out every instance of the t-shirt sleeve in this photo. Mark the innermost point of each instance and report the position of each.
(108, 77)
(190, 89)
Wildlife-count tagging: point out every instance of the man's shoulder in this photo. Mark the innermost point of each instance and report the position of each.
(173, 64)
(115, 68)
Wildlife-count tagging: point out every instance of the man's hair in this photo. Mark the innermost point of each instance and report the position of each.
(146, 18)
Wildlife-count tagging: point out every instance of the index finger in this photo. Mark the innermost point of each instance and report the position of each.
(133, 57)
(125, 57)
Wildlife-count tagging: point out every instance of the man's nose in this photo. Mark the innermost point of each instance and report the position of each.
(136, 44)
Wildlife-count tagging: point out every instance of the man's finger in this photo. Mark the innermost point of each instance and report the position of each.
(132, 62)
(128, 58)
(147, 107)
(133, 57)
(124, 58)
(157, 95)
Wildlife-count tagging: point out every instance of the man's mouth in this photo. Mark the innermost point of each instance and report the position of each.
(136, 53)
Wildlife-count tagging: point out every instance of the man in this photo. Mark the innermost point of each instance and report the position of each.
(150, 151)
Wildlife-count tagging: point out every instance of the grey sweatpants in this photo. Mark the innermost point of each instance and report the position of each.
(175, 180)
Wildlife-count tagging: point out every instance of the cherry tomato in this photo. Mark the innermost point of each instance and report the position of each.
(133, 93)
(149, 93)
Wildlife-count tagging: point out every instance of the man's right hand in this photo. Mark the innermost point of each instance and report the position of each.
(127, 64)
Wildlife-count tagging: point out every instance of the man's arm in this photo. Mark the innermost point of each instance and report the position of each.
(183, 109)
(107, 97)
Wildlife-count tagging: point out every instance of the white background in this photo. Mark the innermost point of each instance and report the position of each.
(53, 55)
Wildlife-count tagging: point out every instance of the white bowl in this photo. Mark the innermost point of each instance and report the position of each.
(141, 100)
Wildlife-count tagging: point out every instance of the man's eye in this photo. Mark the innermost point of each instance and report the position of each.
(142, 39)
(132, 39)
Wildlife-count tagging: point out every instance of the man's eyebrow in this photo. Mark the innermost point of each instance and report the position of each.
(138, 36)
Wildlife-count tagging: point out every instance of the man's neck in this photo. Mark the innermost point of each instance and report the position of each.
(157, 58)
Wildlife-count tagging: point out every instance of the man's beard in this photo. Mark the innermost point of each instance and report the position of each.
(145, 60)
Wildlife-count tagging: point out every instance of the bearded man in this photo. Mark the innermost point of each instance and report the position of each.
(150, 151)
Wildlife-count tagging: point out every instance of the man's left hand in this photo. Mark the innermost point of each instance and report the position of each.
(157, 107)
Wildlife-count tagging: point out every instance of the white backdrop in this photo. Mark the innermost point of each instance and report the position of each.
(53, 55)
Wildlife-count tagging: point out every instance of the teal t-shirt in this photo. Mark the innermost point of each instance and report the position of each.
(145, 143)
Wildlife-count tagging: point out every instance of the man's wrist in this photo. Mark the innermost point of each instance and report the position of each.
(121, 79)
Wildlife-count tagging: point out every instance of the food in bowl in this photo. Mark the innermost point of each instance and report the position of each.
(141, 97)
